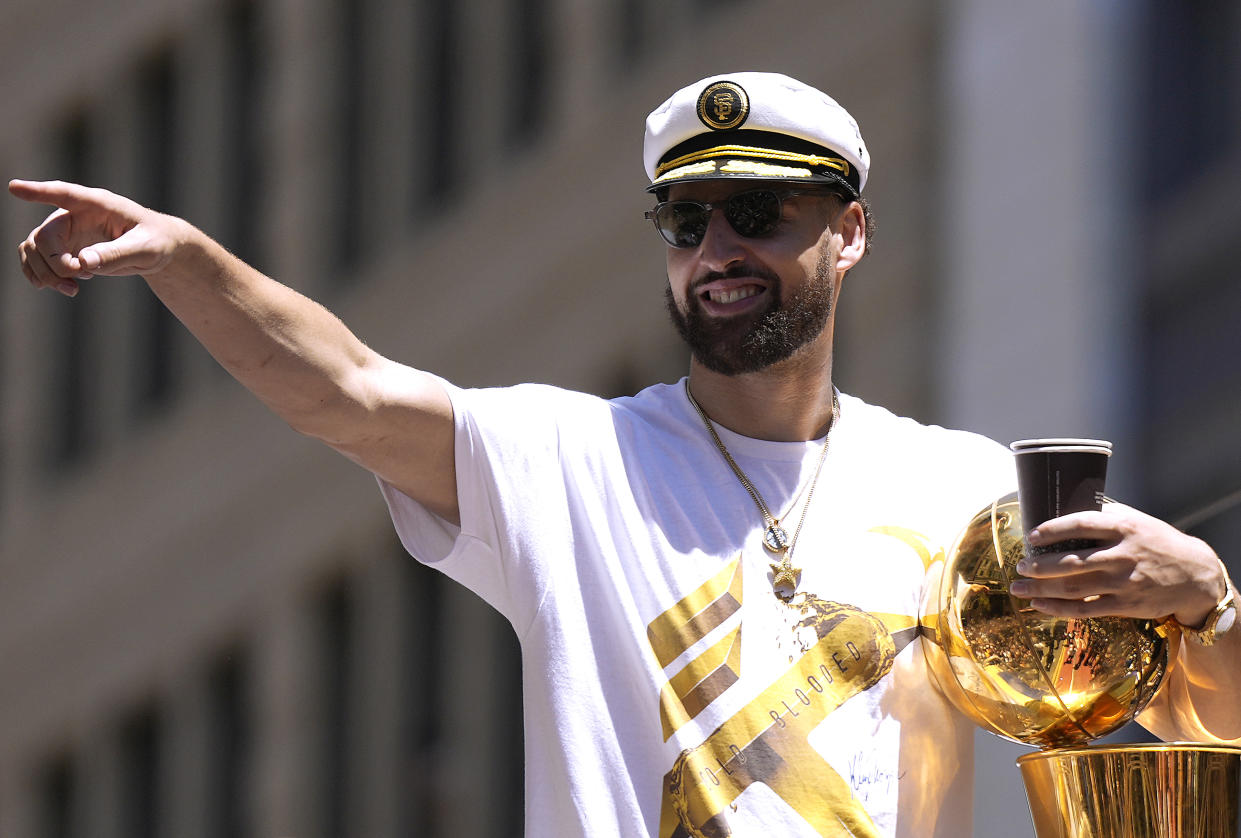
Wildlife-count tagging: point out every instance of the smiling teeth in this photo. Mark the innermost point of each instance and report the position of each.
(733, 295)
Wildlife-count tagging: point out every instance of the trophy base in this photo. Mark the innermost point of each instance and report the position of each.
(1172, 790)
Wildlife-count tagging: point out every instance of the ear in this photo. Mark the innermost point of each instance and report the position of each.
(851, 227)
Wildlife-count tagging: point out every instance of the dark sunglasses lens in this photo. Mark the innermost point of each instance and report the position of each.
(682, 223)
(752, 214)
(755, 213)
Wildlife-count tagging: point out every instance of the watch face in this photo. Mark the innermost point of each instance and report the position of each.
(1226, 619)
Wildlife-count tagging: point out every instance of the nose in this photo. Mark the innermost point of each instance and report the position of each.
(721, 245)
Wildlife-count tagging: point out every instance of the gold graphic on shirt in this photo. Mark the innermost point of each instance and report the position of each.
(916, 541)
(920, 544)
(702, 681)
(704, 678)
(843, 652)
(767, 741)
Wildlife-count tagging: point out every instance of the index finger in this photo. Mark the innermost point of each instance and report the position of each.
(70, 196)
(1093, 525)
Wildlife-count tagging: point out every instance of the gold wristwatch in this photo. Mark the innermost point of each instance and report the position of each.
(1218, 621)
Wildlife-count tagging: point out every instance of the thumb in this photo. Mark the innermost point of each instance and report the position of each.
(134, 252)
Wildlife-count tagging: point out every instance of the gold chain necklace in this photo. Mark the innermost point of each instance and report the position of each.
(775, 538)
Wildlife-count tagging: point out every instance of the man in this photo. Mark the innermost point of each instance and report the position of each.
(716, 583)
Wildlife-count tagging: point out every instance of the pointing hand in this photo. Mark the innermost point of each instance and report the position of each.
(93, 232)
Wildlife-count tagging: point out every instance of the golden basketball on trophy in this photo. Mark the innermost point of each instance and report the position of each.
(1059, 683)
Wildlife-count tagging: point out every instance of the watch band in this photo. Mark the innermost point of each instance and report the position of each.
(1220, 620)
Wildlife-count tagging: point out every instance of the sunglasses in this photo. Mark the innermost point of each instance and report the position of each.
(753, 214)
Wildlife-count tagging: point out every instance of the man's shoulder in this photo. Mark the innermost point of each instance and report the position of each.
(532, 396)
(901, 436)
(654, 398)
(572, 411)
(945, 472)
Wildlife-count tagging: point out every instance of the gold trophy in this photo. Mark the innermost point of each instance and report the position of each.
(1058, 684)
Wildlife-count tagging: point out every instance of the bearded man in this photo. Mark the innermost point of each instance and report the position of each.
(716, 583)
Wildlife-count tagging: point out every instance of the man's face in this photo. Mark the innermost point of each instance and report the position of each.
(744, 304)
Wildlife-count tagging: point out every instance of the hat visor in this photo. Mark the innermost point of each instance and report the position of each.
(739, 168)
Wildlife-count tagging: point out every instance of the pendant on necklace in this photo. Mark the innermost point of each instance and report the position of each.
(784, 577)
(775, 538)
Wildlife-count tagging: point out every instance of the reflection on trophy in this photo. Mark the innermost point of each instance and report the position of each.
(1059, 683)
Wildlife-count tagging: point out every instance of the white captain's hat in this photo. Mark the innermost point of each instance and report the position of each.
(764, 126)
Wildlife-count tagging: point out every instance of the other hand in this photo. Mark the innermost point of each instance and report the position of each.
(1142, 567)
(93, 232)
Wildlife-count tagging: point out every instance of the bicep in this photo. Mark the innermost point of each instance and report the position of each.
(405, 434)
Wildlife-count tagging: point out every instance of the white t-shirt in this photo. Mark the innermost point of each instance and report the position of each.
(667, 691)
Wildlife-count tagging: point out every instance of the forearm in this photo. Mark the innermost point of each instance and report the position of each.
(287, 349)
(1200, 700)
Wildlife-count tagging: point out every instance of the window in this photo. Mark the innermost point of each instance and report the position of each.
(245, 175)
(1188, 84)
(1191, 77)
(531, 71)
(509, 794)
(335, 612)
(229, 773)
(628, 35)
(355, 97)
(437, 39)
(156, 330)
(58, 799)
(71, 409)
(1191, 399)
(141, 780)
(423, 670)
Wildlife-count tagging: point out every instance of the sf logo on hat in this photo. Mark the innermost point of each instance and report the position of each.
(723, 105)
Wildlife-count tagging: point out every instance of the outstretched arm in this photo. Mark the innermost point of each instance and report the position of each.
(288, 350)
(1148, 569)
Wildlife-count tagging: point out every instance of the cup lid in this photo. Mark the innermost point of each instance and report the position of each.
(1061, 445)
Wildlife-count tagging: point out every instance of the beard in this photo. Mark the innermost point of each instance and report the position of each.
(761, 338)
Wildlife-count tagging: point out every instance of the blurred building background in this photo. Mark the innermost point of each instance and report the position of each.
(207, 627)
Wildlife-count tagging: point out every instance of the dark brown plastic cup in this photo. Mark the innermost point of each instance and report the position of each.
(1057, 477)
